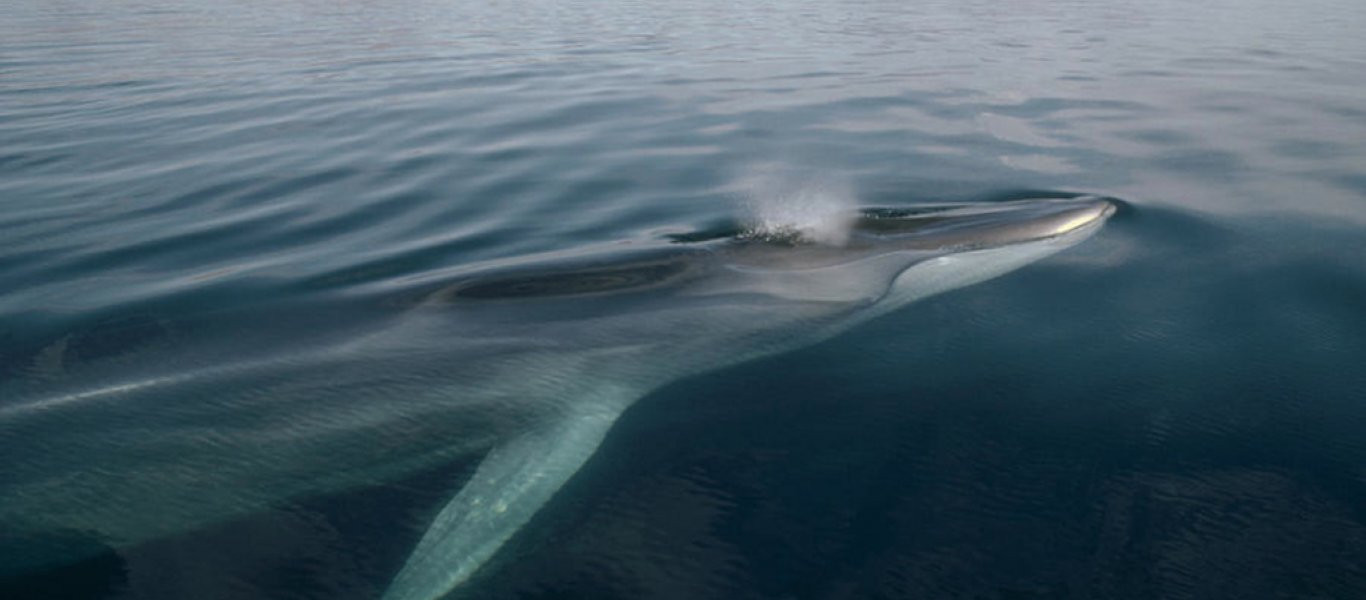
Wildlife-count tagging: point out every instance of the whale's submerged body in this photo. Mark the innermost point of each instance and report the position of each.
(539, 358)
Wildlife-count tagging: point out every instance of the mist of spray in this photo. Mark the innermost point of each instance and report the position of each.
(786, 205)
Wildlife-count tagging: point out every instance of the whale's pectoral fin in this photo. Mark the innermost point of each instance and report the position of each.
(514, 480)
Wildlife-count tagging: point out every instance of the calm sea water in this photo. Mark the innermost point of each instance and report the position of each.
(1174, 409)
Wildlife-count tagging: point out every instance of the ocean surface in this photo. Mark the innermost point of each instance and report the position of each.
(198, 200)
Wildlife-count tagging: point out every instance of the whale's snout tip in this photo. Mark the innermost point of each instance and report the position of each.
(1034, 220)
(1081, 212)
(1105, 207)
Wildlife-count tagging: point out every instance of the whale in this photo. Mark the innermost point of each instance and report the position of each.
(519, 365)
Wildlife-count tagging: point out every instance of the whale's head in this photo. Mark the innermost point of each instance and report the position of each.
(979, 226)
(886, 258)
(969, 244)
(891, 256)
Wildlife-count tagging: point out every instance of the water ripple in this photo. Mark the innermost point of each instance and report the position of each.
(262, 175)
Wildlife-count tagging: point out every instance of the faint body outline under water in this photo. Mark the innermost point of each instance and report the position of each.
(750, 294)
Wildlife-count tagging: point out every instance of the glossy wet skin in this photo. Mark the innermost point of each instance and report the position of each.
(980, 226)
(930, 229)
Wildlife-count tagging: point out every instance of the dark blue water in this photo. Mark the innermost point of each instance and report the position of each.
(234, 199)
